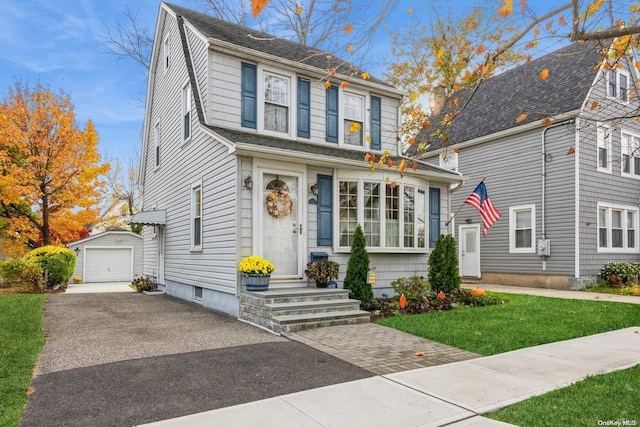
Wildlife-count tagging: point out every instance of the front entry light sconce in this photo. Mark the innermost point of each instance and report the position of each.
(248, 182)
(314, 189)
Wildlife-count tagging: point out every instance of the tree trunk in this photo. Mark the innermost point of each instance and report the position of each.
(46, 235)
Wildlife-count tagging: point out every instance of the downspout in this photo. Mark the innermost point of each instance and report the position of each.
(544, 184)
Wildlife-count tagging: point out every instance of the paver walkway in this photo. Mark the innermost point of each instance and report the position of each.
(380, 349)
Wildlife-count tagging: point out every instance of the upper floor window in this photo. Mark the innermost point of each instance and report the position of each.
(604, 148)
(449, 160)
(630, 155)
(186, 112)
(618, 85)
(156, 144)
(353, 118)
(276, 103)
(522, 229)
(617, 228)
(393, 216)
(196, 216)
(166, 51)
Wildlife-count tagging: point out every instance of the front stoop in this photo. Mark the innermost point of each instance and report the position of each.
(296, 309)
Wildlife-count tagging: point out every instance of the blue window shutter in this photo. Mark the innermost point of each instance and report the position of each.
(249, 93)
(332, 114)
(304, 108)
(325, 208)
(376, 120)
(434, 216)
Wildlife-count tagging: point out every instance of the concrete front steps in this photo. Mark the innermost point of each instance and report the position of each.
(296, 309)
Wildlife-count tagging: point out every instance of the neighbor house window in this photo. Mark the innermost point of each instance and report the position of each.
(166, 52)
(186, 112)
(449, 160)
(617, 228)
(393, 216)
(353, 119)
(604, 148)
(618, 85)
(276, 103)
(156, 144)
(196, 216)
(522, 229)
(630, 155)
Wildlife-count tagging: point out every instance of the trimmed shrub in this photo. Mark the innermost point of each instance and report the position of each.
(20, 273)
(443, 265)
(412, 287)
(358, 269)
(143, 284)
(56, 262)
(620, 273)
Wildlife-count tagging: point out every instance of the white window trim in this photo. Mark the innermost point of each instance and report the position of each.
(382, 179)
(366, 136)
(192, 217)
(260, 100)
(185, 102)
(166, 52)
(156, 146)
(625, 249)
(512, 229)
(452, 157)
(618, 97)
(632, 171)
(606, 134)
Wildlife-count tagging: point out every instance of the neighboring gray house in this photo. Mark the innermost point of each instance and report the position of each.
(569, 193)
(234, 116)
(111, 256)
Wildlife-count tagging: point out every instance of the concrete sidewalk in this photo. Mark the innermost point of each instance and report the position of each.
(448, 394)
(556, 293)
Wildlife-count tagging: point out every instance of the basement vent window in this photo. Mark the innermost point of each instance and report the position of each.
(197, 293)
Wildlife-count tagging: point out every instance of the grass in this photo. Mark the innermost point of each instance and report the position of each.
(608, 397)
(522, 321)
(21, 341)
(606, 289)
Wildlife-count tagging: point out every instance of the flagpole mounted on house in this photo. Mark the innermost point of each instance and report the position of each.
(461, 205)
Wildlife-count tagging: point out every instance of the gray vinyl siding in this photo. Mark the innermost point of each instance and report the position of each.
(602, 187)
(512, 167)
(198, 48)
(200, 159)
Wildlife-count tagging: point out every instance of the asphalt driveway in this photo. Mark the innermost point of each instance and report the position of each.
(119, 359)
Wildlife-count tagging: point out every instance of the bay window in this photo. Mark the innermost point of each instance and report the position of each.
(392, 215)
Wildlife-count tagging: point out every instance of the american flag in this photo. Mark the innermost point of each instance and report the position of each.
(480, 200)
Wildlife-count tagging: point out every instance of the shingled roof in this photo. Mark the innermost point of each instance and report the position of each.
(214, 28)
(500, 100)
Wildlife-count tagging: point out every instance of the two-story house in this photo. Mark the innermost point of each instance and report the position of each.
(569, 191)
(236, 118)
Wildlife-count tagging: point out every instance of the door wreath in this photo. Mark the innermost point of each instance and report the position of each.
(279, 204)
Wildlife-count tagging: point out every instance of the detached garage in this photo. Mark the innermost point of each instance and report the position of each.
(111, 256)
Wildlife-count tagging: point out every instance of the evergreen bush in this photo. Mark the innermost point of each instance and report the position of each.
(358, 269)
(20, 273)
(443, 265)
(57, 262)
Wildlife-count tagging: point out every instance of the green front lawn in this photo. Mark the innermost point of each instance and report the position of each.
(609, 397)
(522, 321)
(21, 341)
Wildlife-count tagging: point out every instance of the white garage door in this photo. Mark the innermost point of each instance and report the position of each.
(107, 265)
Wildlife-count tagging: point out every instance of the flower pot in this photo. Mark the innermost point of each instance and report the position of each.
(321, 284)
(257, 282)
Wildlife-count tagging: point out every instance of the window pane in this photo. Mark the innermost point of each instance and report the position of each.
(616, 219)
(636, 165)
(523, 239)
(409, 216)
(392, 216)
(623, 87)
(420, 217)
(616, 238)
(372, 213)
(354, 107)
(352, 133)
(276, 118)
(602, 237)
(611, 87)
(523, 219)
(631, 238)
(276, 89)
(197, 231)
(348, 200)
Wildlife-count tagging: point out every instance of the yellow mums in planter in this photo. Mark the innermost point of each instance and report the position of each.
(256, 265)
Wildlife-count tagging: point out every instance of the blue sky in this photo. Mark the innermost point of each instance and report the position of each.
(59, 45)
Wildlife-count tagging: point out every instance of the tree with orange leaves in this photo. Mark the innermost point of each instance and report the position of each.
(49, 170)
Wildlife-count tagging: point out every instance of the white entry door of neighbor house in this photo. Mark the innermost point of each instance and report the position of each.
(469, 248)
(281, 224)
